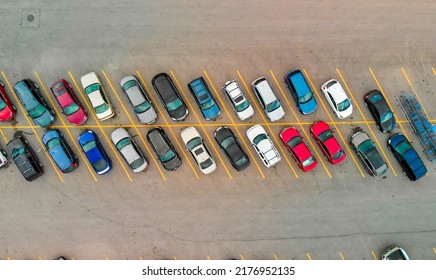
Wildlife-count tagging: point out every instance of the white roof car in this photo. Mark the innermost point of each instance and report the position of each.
(239, 100)
(198, 149)
(263, 145)
(129, 150)
(268, 99)
(96, 95)
(3, 158)
(337, 98)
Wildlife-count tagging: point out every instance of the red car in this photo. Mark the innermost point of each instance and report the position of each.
(298, 149)
(69, 102)
(327, 142)
(7, 109)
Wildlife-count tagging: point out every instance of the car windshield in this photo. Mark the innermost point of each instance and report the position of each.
(227, 142)
(207, 105)
(54, 142)
(403, 147)
(325, 135)
(387, 116)
(129, 84)
(194, 143)
(205, 164)
(100, 164)
(37, 111)
(167, 156)
(89, 146)
(294, 142)
(337, 155)
(17, 152)
(60, 92)
(273, 105)
(137, 163)
(144, 106)
(365, 146)
(123, 142)
(2, 105)
(344, 105)
(71, 109)
(92, 88)
(305, 98)
(101, 108)
(241, 161)
(174, 105)
(241, 107)
(308, 162)
(259, 138)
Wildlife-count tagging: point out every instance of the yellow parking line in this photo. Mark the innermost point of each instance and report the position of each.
(374, 255)
(333, 122)
(413, 90)
(342, 256)
(141, 258)
(166, 122)
(308, 257)
(301, 126)
(242, 257)
(33, 128)
(63, 123)
(174, 258)
(434, 250)
(277, 143)
(4, 136)
(434, 71)
(98, 123)
(201, 124)
(209, 258)
(369, 127)
(9, 258)
(134, 126)
(275, 257)
(233, 122)
(386, 97)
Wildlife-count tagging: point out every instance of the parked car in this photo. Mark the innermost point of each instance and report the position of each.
(129, 150)
(294, 143)
(380, 111)
(407, 157)
(337, 98)
(60, 151)
(28, 93)
(263, 145)
(198, 149)
(231, 147)
(368, 153)
(268, 99)
(25, 158)
(204, 99)
(301, 92)
(239, 100)
(94, 151)
(3, 158)
(97, 96)
(139, 99)
(170, 97)
(327, 142)
(164, 149)
(7, 109)
(68, 101)
(395, 253)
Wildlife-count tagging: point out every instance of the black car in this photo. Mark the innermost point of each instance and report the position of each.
(163, 149)
(170, 97)
(25, 158)
(380, 111)
(234, 152)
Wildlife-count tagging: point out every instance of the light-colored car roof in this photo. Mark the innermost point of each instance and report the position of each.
(129, 152)
(337, 92)
(189, 133)
(89, 79)
(266, 92)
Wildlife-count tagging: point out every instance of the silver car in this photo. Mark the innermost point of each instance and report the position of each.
(139, 99)
(129, 150)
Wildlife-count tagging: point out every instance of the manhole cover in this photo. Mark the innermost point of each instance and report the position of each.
(30, 18)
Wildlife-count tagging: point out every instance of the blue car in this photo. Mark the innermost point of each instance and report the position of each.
(59, 151)
(94, 152)
(301, 92)
(407, 157)
(209, 108)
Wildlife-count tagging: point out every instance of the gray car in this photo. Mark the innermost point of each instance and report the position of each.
(368, 153)
(163, 149)
(139, 99)
(129, 150)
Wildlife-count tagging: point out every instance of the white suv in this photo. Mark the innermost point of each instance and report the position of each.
(337, 98)
(239, 101)
(267, 99)
(263, 145)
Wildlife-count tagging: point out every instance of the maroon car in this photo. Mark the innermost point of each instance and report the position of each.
(7, 109)
(69, 102)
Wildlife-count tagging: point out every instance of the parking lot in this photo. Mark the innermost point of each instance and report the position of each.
(333, 212)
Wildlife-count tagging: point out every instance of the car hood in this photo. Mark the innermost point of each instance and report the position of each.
(44, 120)
(180, 113)
(148, 116)
(302, 152)
(6, 114)
(308, 107)
(277, 114)
(389, 124)
(173, 163)
(78, 117)
(212, 113)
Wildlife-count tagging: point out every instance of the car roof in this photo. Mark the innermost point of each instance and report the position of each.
(165, 87)
(158, 141)
(25, 94)
(265, 91)
(299, 83)
(337, 92)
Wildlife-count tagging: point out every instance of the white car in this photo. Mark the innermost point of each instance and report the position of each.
(97, 96)
(198, 149)
(239, 100)
(268, 99)
(3, 158)
(263, 145)
(129, 150)
(337, 98)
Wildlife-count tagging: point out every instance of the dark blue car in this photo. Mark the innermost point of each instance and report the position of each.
(209, 108)
(407, 157)
(59, 151)
(301, 92)
(95, 152)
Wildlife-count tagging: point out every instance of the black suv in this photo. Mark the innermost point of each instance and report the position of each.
(25, 158)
